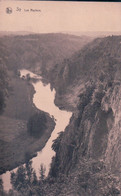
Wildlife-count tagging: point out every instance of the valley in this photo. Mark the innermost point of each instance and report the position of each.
(19, 104)
(87, 81)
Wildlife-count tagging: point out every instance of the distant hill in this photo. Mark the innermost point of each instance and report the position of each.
(94, 33)
(76, 33)
(40, 52)
(8, 33)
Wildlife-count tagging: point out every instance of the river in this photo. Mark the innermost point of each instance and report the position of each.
(43, 100)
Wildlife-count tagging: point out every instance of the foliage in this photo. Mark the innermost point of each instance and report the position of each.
(96, 179)
(42, 172)
(25, 182)
(56, 142)
(90, 177)
(18, 179)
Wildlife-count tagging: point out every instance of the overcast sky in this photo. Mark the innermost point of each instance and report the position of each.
(60, 16)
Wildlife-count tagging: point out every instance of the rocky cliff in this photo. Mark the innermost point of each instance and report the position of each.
(93, 137)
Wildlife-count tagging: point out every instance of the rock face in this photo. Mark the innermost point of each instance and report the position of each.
(113, 151)
(94, 132)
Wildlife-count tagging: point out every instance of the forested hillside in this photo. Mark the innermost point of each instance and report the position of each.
(98, 61)
(40, 52)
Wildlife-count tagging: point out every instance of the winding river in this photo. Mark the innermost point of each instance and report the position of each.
(43, 100)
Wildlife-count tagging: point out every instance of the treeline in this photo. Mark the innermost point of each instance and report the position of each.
(92, 178)
(25, 182)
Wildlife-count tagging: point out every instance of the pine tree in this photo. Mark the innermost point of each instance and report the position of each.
(29, 171)
(34, 180)
(42, 172)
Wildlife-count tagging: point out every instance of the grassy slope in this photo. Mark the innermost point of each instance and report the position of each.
(16, 145)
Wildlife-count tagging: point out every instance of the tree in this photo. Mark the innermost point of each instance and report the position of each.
(24, 181)
(29, 172)
(56, 142)
(34, 179)
(42, 172)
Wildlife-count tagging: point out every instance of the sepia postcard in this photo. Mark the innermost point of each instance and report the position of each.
(60, 98)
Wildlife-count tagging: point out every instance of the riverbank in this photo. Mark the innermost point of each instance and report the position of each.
(16, 143)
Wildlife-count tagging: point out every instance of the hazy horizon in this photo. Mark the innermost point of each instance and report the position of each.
(78, 34)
